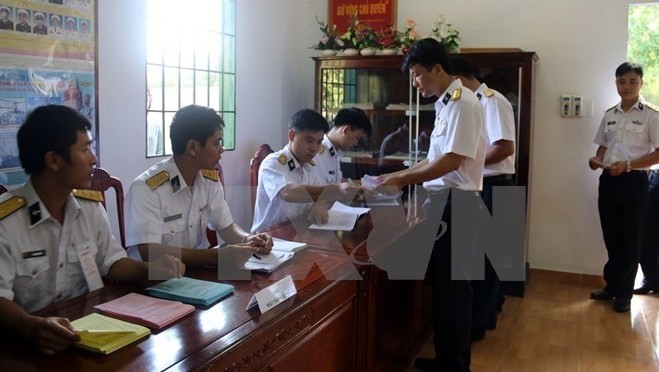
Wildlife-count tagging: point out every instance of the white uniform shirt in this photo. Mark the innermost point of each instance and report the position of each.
(499, 125)
(460, 129)
(39, 257)
(628, 136)
(170, 212)
(278, 170)
(328, 162)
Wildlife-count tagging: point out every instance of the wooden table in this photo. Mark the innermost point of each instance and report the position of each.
(337, 324)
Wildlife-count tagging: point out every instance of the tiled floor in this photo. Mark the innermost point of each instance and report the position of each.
(557, 328)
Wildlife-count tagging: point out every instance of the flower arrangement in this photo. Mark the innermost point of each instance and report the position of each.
(388, 38)
(349, 38)
(446, 34)
(366, 37)
(409, 36)
(328, 41)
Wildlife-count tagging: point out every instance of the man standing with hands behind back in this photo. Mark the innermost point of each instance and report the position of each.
(628, 138)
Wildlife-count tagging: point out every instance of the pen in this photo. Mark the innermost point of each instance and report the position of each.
(255, 256)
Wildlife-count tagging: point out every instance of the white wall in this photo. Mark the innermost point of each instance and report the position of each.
(579, 43)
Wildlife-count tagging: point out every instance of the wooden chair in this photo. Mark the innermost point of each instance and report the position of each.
(254, 165)
(101, 181)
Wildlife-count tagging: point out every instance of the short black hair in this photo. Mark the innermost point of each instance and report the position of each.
(308, 120)
(355, 118)
(49, 128)
(462, 66)
(428, 52)
(193, 122)
(629, 67)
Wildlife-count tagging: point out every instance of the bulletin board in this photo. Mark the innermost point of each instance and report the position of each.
(379, 14)
(48, 54)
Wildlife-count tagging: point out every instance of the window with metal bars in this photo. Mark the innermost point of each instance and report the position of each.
(190, 59)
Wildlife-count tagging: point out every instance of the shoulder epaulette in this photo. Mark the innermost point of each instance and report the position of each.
(210, 174)
(610, 108)
(652, 107)
(456, 94)
(11, 205)
(157, 180)
(488, 92)
(282, 159)
(92, 195)
(321, 149)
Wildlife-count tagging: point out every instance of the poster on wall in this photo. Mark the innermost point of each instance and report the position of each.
(379, 14)
(47, 48)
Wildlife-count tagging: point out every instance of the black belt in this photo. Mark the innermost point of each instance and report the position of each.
(500, 177)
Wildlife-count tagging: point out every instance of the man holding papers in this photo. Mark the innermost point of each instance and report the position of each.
(169, 207)
(289, 185)
(454, 165)
(55, 239)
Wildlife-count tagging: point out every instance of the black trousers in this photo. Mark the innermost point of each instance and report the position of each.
(650, 247)
(452, 299)
(487, 292)
(622, 206)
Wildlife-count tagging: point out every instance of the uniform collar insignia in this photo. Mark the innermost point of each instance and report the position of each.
(332, 151)
(176, 184)
(446, 98)
(312, 162)
(640, 106)
(35, 213)
(291, 165)
(479, 96)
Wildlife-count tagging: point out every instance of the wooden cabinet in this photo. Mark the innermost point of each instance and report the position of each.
(377, 85)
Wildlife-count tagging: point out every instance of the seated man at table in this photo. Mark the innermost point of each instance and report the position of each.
(289, 185)
(55, 239)
(169, 206)
(350, 125)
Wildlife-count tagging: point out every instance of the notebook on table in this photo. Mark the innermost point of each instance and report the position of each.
(282, 251)
(191, 291)
(148, 311)
(102, 334)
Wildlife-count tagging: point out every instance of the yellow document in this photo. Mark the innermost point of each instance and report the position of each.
(102, 334)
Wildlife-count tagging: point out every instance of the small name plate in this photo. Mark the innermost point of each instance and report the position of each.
(273, 295)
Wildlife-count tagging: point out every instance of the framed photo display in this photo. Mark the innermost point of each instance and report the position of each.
(48, 54)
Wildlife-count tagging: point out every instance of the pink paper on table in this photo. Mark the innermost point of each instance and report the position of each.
(148, 311)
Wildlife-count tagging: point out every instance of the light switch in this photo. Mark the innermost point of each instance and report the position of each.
(566, 105)
(577, 106)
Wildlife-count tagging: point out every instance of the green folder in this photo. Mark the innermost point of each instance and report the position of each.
(192, 291)
(102, 334)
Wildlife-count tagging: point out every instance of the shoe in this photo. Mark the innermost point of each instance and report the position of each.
(645, 289)
(426, 364)
(622, 305)
(601, 295)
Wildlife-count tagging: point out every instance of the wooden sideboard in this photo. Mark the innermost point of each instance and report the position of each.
(333, 323)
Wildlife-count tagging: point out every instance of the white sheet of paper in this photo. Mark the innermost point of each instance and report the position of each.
(337, 221)
(342, 208)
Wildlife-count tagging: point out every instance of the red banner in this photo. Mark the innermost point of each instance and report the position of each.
(378, 14)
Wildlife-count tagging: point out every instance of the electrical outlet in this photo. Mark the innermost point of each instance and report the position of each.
(577, 106)
(566, 105)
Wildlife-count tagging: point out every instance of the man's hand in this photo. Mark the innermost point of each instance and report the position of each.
(261, 241)
(347, 192)
(387, 184)
(318, 213)
(617, 168)
(51, 335)
(167, 266)
(235, 255)
(594, 163)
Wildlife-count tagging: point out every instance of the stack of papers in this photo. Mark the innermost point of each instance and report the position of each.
(341, 217)
(102, 334)
(148, 311)
(282, 251)
(191, 291)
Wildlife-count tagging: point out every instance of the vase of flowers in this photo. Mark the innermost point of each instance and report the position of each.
(329, 43)
(389, 41)
(349, 38)
(367, 40)
(446, 34)
(408, 37)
